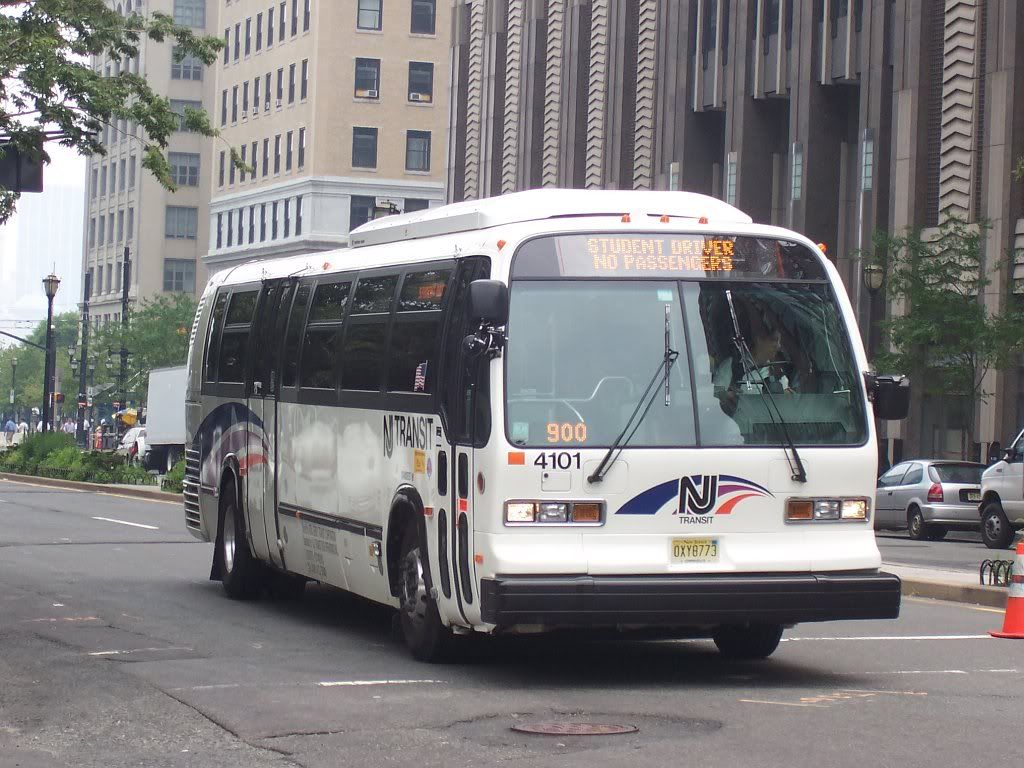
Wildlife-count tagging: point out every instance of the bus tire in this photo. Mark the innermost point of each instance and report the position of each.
(424, 634)
(239, 571)
(754, 641)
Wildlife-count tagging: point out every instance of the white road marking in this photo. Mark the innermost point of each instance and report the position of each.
(137, 650)
(336, 683)
(65, 618)
(783, 703)
(888, 637)
(125, 522)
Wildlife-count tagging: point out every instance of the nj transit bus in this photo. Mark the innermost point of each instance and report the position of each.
(547, 410)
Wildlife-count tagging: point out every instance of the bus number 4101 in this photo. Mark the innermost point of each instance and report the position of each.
(558, 460)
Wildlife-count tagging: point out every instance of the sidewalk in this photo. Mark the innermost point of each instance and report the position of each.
(136, 491)
(957, 586)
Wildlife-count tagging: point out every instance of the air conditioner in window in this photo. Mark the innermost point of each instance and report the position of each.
(424, 97)
(245, 113)
(367, 93)
(279, 103)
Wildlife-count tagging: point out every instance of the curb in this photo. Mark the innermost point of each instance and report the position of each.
(974, 594)
(141, 492)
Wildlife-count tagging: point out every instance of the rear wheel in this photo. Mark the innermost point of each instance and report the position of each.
(170, 460)
(996, 531)
(239, 570)
(425, 636)
(916, 527)
(756, 641)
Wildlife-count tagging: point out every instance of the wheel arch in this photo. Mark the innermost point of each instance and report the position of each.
(230, 471)
(406, 509)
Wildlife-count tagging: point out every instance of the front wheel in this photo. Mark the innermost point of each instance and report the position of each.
(238, 568)
(425, 636)
(916, 527)
(756, 641)
(996, 531)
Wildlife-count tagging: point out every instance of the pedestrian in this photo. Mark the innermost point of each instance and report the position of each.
(9, 429)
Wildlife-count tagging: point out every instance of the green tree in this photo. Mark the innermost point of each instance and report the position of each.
(29, 390)
(48, 90)
(943, 335)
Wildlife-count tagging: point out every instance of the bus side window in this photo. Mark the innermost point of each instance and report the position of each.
(412, 357)
(363, 351)
(213, 340)
(323, 335)
(235, 338)
(290, 375)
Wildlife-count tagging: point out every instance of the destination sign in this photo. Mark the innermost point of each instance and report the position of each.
(676, 256)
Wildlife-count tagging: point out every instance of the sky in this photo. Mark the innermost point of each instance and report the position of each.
(44, 235)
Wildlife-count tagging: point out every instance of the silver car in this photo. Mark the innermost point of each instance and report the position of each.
(929, 497)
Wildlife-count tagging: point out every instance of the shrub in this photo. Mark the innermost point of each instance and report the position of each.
(55, 455)
(174, 479)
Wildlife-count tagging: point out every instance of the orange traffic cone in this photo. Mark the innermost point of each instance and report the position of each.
(1013, 622)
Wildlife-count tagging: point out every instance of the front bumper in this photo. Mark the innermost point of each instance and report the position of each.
(690, 600)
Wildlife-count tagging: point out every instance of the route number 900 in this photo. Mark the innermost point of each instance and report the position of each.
(567, 432)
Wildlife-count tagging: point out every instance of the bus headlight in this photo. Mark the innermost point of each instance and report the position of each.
(554, 513)
(827, 509)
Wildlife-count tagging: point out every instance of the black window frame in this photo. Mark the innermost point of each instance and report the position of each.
(433, 17)
(422, 66)
(362, 66)
(218, 326)
(370, 130)
(379, 11)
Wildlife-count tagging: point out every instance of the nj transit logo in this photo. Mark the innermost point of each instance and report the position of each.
(701, 497)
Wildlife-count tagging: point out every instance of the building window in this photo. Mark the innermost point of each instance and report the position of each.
(180, 275)
(266, 157)
(179, 106)
(266, 89)
(364, 147)
(867, 161)
(254, 161)
(421, 81)
(277, 153)
(367, 78)
(287, 218)
(241, 215)
(273, 221)
(238, 40)
(234, 104)
(298, 215)
(360, 211)
(797, 171)
(113, 176)
(248, 35)
(270, 26)
(305, 15)
(92, 232)
(220, 173)
(102, 229)
(185, 168)
(223, 108)
(190, 13)
(95, 185)
(291, 83)
(369, 14)
(242, 171)
(730, 178)
(245, 99)
(252, 223)
(281, 21)
(231, 229)
(110, 228)
(103, 179)
(227, 43)
(417, 151)
(181, 223)
(423, 12)
(302, 147)
(220, 226)
(185, 66)
(121, 176)
(256, 96)
(231, 171)
(280, 85)
(131, 224)
(295, 17)
(263, 222)
(304, 86)
(259, 32)
(131, 172)
(288, 151)
(120, 228)
(416, 204)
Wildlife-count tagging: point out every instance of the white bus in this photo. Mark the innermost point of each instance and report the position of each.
(552, 409)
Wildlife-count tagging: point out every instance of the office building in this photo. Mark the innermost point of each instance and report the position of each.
(334, 108)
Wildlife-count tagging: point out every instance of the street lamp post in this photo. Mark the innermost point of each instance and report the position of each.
(14, 386)
(873, 275)
(50, 284)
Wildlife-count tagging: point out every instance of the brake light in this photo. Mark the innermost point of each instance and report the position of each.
(935, 493)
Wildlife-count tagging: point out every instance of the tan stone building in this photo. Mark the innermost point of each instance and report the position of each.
(832, 117)
(332, 106)
(165, 232)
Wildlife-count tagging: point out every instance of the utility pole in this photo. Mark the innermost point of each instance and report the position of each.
(50, 284)
(80, 435)
(123, 373)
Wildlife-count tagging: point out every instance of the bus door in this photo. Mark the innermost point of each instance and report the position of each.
(268, 335)
(467, 410)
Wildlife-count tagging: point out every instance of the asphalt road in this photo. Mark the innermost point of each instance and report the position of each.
(116, 650)
(959, 551)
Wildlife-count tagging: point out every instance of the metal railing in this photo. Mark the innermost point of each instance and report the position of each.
(995, 573)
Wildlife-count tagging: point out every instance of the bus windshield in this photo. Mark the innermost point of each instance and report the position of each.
(582, 351)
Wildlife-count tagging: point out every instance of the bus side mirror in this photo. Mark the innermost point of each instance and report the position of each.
(488, 302)
(890, 394)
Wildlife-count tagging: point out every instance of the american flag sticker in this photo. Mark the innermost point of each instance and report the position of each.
(419, 383)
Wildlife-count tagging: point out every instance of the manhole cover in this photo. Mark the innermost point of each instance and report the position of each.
(575, 729)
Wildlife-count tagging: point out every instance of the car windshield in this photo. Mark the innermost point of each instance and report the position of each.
(966, 474)
(582, 351)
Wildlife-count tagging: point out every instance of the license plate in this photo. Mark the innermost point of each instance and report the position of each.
(974, 495)
(694, 550)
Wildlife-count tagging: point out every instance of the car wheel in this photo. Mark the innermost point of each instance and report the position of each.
(936, 532)
(757, 641)
(238, 568)
(171, 460)
(425, 636)
(916, 527)
(996, 531)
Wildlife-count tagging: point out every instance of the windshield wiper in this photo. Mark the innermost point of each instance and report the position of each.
(645, 402)
(796, 467)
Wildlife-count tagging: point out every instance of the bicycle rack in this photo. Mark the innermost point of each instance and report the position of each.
(995, 573)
